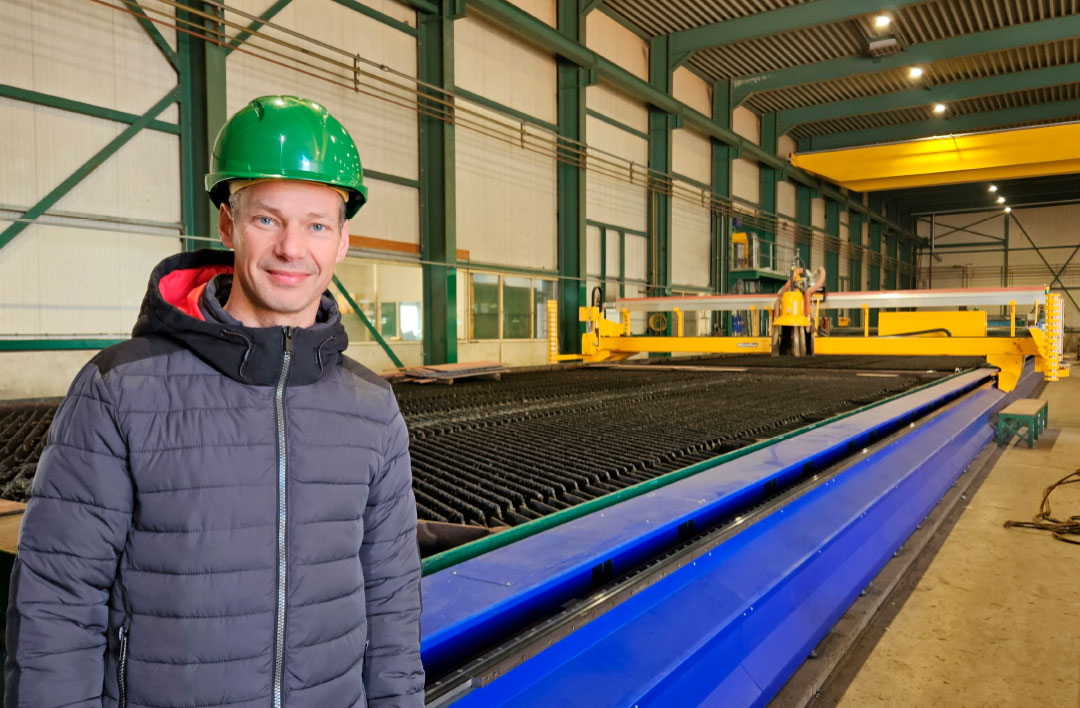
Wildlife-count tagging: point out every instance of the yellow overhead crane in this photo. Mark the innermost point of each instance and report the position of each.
(957, 332)
(950, 159)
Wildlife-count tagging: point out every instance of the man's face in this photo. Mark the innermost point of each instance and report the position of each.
(287, 236)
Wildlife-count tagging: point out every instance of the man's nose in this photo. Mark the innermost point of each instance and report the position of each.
(291, 245)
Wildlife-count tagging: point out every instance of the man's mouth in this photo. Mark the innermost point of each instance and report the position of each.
(287, 277)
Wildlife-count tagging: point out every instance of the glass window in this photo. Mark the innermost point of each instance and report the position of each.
(485, 306)
(411, 326)
(388, 319)
(517, 307)
(543, 290)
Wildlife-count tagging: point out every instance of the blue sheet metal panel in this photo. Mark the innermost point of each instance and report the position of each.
(730, 629)
(467, 606)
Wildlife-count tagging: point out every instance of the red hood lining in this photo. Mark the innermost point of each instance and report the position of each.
(184, 288)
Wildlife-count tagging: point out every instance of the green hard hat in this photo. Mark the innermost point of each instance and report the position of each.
(289, 138)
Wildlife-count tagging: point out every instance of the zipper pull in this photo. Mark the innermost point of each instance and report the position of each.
(288, 339)
(121, 633)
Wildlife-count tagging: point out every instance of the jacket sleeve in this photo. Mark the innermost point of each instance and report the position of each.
(393, 675)
(72, 535)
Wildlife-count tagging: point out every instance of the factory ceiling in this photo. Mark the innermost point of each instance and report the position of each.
(835, 78)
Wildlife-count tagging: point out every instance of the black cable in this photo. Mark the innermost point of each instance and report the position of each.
(1045, 521)
(924, 331)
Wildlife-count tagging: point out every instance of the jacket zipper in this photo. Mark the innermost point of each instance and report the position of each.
(279, 419)
(121, 667)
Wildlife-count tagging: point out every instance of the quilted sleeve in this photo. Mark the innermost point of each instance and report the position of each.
(73, 532)
(393, 675)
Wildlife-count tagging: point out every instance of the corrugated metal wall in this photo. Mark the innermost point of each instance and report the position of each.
(59, 277)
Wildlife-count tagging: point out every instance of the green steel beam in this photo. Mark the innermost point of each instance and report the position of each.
(376, 15)
(41, 345)
(975, 195)
(542, 35)
(967, 123)
(588, 6)
(392, 179)
(86, 109)
(942, 93)
(155, 34)
(661, 124)
(788, 19)
(86, 168)
(267, 15)
(367, 323)
(503, 108)
(202, 113)
(438, 185)
(967, 44)
(570, 180)
(426, 6)
(617, 124)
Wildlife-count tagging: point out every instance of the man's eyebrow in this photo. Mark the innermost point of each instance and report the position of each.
(257, 205)
(318, 215)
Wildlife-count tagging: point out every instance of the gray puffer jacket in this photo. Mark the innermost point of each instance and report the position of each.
(223, 516)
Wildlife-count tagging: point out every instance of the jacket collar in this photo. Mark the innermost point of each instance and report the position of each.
(183, 303)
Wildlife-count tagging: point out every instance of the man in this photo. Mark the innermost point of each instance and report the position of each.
(223, 515)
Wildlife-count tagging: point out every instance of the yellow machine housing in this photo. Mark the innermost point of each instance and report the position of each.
(792, 310)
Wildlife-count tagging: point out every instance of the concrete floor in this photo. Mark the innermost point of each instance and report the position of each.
(995, 619)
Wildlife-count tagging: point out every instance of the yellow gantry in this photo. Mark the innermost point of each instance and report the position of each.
(915, 334)
(953, 159)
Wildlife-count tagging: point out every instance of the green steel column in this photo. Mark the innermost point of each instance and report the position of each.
(659, 213)
(890, 251)
(804, 197)
(873, 275)
(721, 184)
(767, 177)
(438, 212)
(201, 68)
(722, 155)
(832, 250)
(570, 176)
(855, 224)
(1005, 256)
(905, 258)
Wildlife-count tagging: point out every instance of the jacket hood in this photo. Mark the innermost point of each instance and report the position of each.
(182, 304)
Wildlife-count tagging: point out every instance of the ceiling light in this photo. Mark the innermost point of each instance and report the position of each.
(1001, 200)
(882, 21)
(993, 188)
(1008, 209)
(939, 108)
(914, 72)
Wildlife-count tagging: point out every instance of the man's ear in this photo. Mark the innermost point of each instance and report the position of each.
(343, 244)
(225, 225)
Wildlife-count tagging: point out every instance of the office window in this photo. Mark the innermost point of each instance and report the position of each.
(517, 307)
(485, 306)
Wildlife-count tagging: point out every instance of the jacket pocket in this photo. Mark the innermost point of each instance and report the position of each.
(121, 667)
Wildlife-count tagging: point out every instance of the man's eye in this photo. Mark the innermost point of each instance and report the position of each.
(318, 228)
(264, 220)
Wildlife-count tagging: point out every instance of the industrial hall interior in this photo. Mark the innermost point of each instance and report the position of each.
(732, 338)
